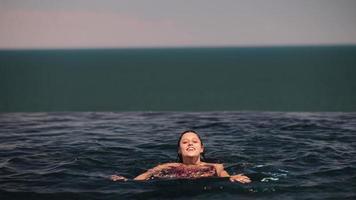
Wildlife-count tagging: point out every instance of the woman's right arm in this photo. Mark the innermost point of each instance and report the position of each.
(143, 176)
(149, 173)
(140, 177)
(118, 178)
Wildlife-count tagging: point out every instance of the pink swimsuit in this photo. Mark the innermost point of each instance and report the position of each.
(185, 172)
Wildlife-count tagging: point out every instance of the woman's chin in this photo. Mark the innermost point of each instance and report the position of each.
(191, 155)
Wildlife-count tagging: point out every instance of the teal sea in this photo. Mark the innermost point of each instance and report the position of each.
(284, 116)
(71, 155)
(179, 79)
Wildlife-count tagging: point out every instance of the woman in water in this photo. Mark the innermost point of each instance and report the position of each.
(190, 165)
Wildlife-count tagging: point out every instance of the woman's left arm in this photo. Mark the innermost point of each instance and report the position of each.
(223, 173)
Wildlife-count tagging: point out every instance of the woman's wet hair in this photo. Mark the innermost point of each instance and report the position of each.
(179, 156)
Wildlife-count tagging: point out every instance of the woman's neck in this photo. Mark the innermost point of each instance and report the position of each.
(191, 160)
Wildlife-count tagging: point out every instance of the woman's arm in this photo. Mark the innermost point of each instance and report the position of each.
(144, 176)
(150, 172)
(140, 177)
(118, 178)
(239, 177)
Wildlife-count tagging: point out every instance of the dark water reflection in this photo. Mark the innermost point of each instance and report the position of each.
(71, 155)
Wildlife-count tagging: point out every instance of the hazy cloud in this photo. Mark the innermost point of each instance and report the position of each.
(61, 29)
(127, 23)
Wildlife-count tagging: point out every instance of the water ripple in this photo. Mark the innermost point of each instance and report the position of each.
(71, 155)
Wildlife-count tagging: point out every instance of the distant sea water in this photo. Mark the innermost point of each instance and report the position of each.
(70, 155)
(306, 78)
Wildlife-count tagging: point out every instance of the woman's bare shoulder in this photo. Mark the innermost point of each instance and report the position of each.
(165, 165)
(219, 169)
(216, 165)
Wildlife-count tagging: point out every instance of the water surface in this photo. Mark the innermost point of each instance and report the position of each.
(71, 155)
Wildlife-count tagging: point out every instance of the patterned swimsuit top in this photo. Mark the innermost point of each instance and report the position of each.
(182, 171)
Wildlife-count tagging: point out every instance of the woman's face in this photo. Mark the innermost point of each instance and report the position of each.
(190, 145)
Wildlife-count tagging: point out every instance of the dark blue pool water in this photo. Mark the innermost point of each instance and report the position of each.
(71, 155)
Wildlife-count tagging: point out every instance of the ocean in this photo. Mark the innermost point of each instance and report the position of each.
(284, 116)
(71, 155)
(306, 78)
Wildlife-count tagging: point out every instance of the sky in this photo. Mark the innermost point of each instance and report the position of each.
(175, 23)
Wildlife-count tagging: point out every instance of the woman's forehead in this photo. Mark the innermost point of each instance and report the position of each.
(190, 135)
